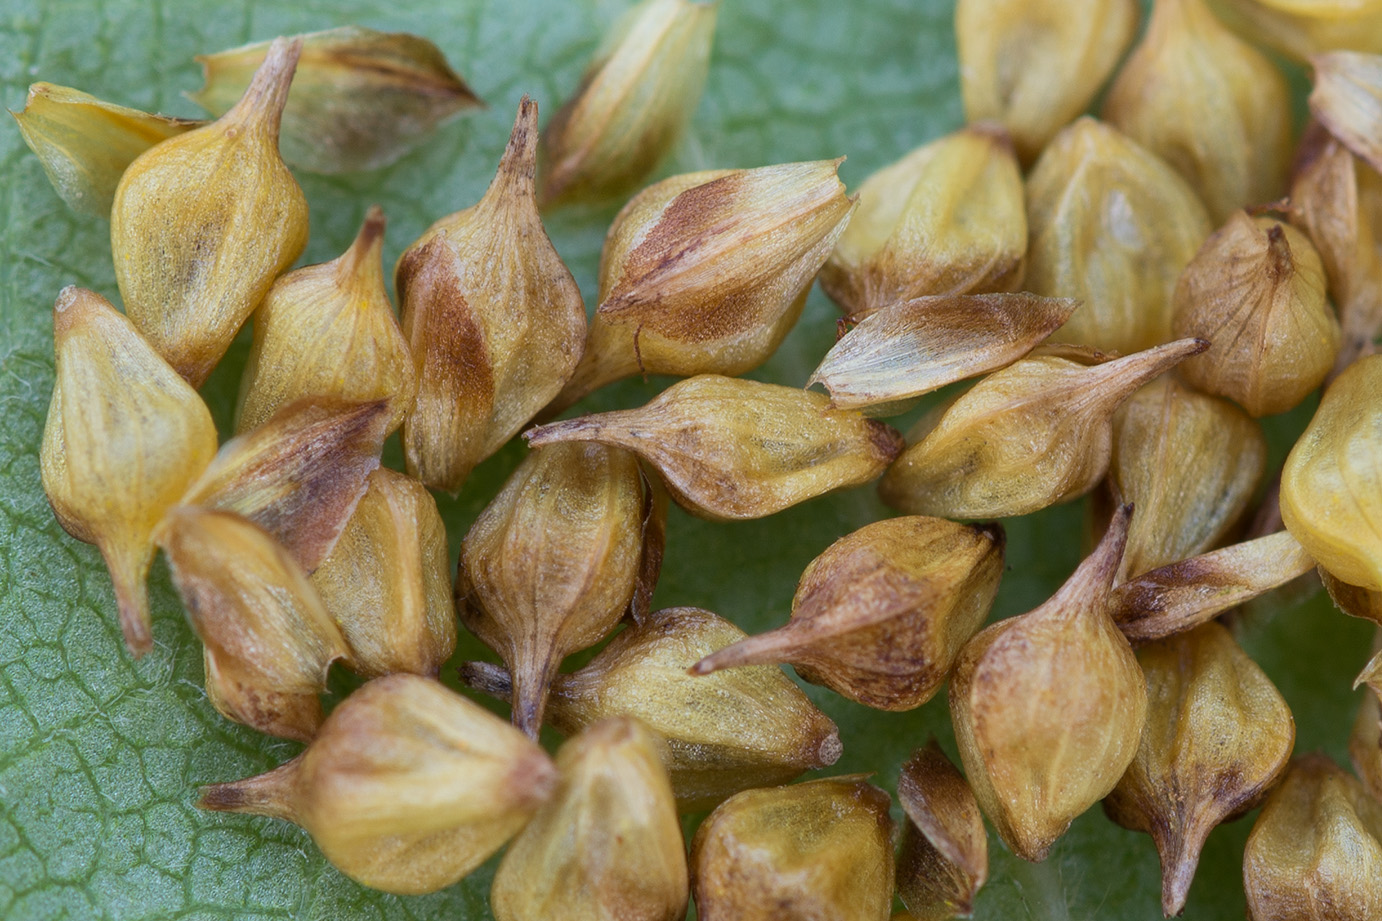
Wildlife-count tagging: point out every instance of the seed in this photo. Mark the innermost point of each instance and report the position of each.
(267, 636)
(730, 449)
(1190, 464)
(1347, 100)
(408, 787)
(944, 859)
(85, 144)
(1218, 736)
(204, 222)
(706, 273)
(1038, 432)
(726, 732)
(1315, 852)
(820, 849)
(1035, 67)
(632, 105)
(1332, 481)
(1111, 226)
(608, 845)
(1256, 291)
(386, 582)
(124, 437)
(1215, 108)
(882, 614)
(946, 219)
(1048, 706)
(494, 319)
(550, 566)
(361, 99)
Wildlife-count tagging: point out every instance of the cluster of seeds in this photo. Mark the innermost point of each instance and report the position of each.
(1126, 349)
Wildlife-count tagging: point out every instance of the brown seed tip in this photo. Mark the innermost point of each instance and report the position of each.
(830, 751)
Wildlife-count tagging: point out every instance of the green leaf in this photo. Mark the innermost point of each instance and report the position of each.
(100, 756)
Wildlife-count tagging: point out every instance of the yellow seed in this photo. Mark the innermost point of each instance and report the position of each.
(85, 144)
(1212, 106)
(944, 859)
(329, 330)
(125, 436)
(1048, 706)
(1190, 464)
(1111, 226)
(494, 319)
(408, 787)
(1033, 434)
(820, 849)
(1217, 738)
(268, 639)
(706, 273)
(386, 583)
(632, 105)
(1179, 596)
(608, 845)
(1300, 33)
(726, 732)
(946, 219)
(204, 222)
(1331, 485)
(1315, 853)
(300, 474)
(1256, 291)
(729, 448)
(1035, 66)
(361, 99)
(906, 350)
(551, 565)
(882, 614)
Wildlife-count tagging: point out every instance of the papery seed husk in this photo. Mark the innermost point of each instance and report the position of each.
(387, 581)
(820, 849)
(1351, 599)
(1215, 108)
(881, 615)
(267, 636)
(1034, 67)
(329, 330)
(204, 222)
(1218, 736)
(1048, 706)
(632, 105)
(1365, 743)
(1112, 226)
(1347, 100)
(944, 857)
(654, 539)
(1314, 853)
(361, 99)
(906, 350)
(551, 565)
(1190, 464)
(1331, 485)
(706, 273)
(85, 144)
(729, 448)
(725, 732)
(1034, 434)
(1179, 596)
(300, 474)
(494, 319)
(124, 437)
(408, 787)
(1337, 199)
(608, 845)
(946, 219)
(1256, 292)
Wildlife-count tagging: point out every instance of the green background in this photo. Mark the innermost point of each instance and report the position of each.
(100, 757)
